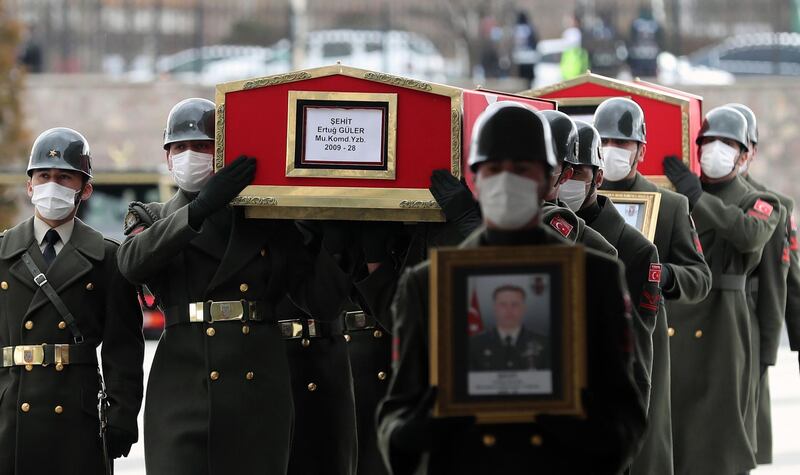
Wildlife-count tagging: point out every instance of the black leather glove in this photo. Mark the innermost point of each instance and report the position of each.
(221, 188)
(418, 432)
(456, 201)
(375, 239)
(119, 442)
(686, 182)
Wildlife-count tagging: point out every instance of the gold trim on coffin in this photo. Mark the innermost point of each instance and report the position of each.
(267, 208)
(391, 135)
(652, 204)
(323, 202)
(642, 90)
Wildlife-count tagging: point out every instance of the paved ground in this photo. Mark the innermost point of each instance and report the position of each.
(785, 414)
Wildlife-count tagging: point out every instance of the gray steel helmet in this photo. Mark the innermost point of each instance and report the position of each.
(61, 148)
(190, 119)
(725, 122)
(565, 136)
(589, 140)
(620, 118)
(509, 130)
(750, 116)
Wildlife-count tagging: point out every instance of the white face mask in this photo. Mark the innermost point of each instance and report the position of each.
(717, 159)
(508, 200)
(53, 201)
(616, 163)
(191, 170)
(573, 193)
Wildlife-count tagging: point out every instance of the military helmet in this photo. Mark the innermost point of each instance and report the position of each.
(190, 119)
(750, 116)
(509, 130)
(725, 122)
(589, 141)
(620, 118)
(61, 148)
(565, 136)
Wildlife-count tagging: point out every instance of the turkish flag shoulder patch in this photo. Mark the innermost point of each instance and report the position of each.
(654, 274)
(763, 207)
(561, 225)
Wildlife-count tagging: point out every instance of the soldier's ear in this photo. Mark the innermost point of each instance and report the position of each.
(642, 151)
(598, 177)
(169, 161)
(87, 190)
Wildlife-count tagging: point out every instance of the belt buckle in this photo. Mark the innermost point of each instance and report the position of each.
(29, 355)
(291, 328)
(356, 320)
(196, 312)
(226, 310)
(61, 354)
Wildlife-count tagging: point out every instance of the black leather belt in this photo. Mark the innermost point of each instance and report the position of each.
(729, 282)
(212, 311)
(309, 328)
(48, 354)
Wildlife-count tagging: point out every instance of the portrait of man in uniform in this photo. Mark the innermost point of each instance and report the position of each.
(509, 342)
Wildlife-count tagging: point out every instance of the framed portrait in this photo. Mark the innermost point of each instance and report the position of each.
(638, 208)
(508, 332)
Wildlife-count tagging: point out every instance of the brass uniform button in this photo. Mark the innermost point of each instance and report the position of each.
(347, 338)
(263, 252)
(29, 325)
(62, 325)
(382, 375)
(244, 287)
(250, 375)
(536, 440)
(671, 331)
(312, 387)
(28, 367)
(245, 329)
(698, 334)
(377, 334)
(90, 286)
(214, 375)
(4, 285)
(58, 409)
(25, 407)
(59, 367)
(489, 440)
(305, 342)
(210, 331)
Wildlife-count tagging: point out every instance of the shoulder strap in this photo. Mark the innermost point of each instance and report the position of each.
(40, 280)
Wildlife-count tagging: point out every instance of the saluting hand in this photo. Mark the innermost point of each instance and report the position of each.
(686, 182)
(221, 188)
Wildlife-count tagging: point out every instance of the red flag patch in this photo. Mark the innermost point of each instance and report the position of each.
(763, 207)
(654, 275)
(561, 225)
(785, 257)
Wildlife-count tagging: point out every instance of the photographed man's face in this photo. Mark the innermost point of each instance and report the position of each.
(509, 309)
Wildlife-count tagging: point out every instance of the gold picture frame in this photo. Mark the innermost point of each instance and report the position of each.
(647, 204)
(461, 382)
(331, 202)
(390, 134)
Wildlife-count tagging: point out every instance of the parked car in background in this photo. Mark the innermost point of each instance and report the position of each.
(548, 67)
(775, 54)
(674, 70)
(402, 53)
(190, 65)
(276, 59)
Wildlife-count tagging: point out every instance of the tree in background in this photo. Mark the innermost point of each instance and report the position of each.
(13, 137)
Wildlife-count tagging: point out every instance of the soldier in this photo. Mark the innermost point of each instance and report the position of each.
(61, 296)
(711, 342)
(512, 155)
(639, 255)
(768, 295)
(219, 393)
(556, 212)
(685, 276)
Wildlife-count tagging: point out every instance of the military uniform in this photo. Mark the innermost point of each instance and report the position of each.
(601, 444)
(767, 287)
(48, 412)
(220, 374)
(679, 249)
(574, 229)
(488, 352)
(711, 340)
(642, 274)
